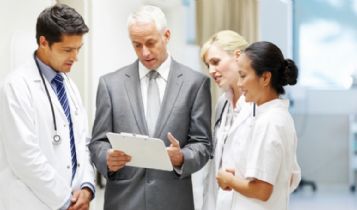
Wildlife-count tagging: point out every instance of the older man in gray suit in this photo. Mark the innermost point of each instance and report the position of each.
(181, 118)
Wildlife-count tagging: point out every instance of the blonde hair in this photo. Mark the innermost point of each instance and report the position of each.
(227, 40)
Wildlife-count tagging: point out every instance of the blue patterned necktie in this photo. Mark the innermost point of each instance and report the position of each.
(62, 97)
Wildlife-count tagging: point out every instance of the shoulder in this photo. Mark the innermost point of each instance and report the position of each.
(276, 119)
(188, 72)
(120, 73)
(19, 78)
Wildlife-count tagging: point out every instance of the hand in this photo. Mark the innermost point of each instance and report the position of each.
(174, 151)
(80, 199)
(116, 159)
(224, 178)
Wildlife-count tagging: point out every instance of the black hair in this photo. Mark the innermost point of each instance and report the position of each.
(267, 57)
(59, 20)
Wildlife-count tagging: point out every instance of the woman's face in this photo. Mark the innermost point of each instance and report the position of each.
(222, 67)
(250, 85)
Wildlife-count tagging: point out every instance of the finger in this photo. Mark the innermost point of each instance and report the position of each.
(230, 170)
(75, 196)
(174, 142)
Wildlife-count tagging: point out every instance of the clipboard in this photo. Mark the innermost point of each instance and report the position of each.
(145, 152)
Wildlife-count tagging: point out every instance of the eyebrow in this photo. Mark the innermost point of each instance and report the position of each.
(65, 47)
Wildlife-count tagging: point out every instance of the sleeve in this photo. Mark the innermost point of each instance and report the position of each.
(265, 153)
(295, 176)
(89, 173)
(102, 124)
(197, 151)
(22, 147)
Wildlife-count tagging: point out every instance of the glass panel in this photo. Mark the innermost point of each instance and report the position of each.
(325, 42)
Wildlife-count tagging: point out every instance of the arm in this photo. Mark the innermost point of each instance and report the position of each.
(197, 151)
(250, 188)
(87, 181)
(100, 145)
(22, 147)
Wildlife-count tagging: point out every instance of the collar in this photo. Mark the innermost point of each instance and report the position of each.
(275, 103)
(163, 69)
(229, 96)
(46, 70)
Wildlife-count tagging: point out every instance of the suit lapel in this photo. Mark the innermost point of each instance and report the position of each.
(173, 87)
(133, 91)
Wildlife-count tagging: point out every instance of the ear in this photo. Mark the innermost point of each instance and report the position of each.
(43, 42)
(237, 53)
(266, 78)
(167, 34)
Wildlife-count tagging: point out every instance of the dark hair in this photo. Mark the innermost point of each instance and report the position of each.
(266, 56)
(59, 20)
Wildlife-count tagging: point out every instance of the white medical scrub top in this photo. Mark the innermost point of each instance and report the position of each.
(266, 150)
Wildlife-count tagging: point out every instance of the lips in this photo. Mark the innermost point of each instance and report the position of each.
(217, 79)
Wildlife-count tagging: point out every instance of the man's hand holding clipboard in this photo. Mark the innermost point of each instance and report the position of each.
(143, 151)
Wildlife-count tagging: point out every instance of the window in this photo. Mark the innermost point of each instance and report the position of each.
(325, 42)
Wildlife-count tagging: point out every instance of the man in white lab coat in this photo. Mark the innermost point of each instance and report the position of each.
(44, 159)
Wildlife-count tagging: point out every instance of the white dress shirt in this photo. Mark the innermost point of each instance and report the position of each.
(164, 70)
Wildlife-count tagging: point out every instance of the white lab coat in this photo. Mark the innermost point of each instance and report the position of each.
(35, 174)
(266, 150)
(215, 198)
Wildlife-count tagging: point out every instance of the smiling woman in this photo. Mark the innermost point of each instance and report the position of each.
(265, 170)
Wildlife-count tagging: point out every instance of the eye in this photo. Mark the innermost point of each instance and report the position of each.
(150, 44)
(137, 45)
(242, 75)
(214, 62)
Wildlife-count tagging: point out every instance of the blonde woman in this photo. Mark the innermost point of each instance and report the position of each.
(219, 54)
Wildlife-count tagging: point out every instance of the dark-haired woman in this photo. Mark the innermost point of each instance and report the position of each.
(266, 169)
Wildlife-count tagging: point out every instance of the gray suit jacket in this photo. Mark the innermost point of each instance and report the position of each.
(185, 112)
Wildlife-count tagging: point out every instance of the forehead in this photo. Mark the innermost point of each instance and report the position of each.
(214, 51)
(244, 61)
(69, 41)
(140, 32)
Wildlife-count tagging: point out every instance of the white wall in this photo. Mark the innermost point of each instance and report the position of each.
(275, 24)
(18, 32)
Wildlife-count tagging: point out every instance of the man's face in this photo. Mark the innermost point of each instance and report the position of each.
(149, 44)
(61, 55)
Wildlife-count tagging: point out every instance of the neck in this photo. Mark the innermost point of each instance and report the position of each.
(236, 94)
(268, 96)
(40, 54)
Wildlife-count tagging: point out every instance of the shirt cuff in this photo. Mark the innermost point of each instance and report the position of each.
(178, 170)
(89, 186)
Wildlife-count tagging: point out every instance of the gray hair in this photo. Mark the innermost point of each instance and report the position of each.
(148, 14)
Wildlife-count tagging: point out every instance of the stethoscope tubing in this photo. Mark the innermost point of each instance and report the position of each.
(47, 93)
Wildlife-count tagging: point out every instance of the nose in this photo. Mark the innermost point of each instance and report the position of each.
(239, 82)
(146, 51)
(211, 69)
(74, 55)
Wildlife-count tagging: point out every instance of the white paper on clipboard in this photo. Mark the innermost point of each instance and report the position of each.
(145, 152)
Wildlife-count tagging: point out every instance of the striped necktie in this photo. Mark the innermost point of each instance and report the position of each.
(62, 97)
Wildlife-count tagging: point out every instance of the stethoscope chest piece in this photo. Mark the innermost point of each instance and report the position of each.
(56, 139)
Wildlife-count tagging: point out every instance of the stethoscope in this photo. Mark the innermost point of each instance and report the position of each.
(56, 139)
(219, 120)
